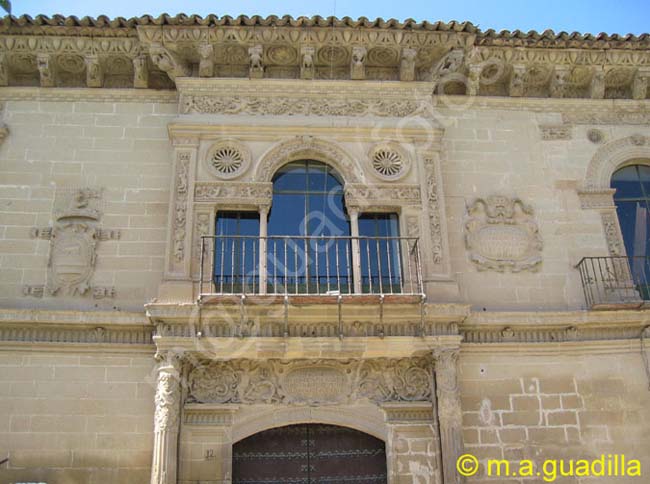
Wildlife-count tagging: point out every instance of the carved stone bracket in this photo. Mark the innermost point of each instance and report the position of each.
(73, 242)
(501, 233)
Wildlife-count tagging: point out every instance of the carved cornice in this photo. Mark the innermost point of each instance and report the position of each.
(366, 196)
(74, 327)
(597, 199)
(234, 193)
(505, 64)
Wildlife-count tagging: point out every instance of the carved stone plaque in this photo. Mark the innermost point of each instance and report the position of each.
(315, 384)
(501, 234)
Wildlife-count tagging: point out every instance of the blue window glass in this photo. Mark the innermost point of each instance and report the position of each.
(236, 252)
(632, 199)
(307, 205)
(381, 270)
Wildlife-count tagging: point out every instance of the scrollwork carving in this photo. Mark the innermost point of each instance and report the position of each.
(501, 233)
(311, 382)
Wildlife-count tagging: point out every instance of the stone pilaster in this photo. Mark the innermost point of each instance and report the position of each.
(166, 419)
(449, 412)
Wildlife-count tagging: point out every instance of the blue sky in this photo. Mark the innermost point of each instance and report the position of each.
(594, 16)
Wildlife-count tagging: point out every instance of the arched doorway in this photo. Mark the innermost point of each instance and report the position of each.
(309, 454)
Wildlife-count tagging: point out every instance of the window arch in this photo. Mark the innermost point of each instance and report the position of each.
(632, 199)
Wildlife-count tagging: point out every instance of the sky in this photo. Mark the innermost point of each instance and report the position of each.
(593, 16)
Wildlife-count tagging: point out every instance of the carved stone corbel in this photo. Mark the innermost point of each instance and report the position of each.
(407, 64)
(307, 62)
(358, 63)
(168, 62)
(140, 72)
(640, 83)
(167, 400)
(45, 69)
(517, 81)
(449, 413)
(94, 72)
(206, 64)
(597, 85)
(4, 70)
(256, 64)
(474, 79)
(559, 81)
(4, 132)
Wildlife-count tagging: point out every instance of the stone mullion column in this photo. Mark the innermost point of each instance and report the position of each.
(356, 248)
(264, 214)
(449, 415)
(166, 420)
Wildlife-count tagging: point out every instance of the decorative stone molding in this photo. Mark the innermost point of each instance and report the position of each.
(311, 381)
(291, 106)
(234, 193)
(73, 241)
(613, 235)
(501, 234)
(228, 159)
(306, 147)
(433, 206)
(408, 412)
(371, 196)
(611, 156)
(597, 199)
(213, 415)
(75, 328)
(388, 161)
(555, 132)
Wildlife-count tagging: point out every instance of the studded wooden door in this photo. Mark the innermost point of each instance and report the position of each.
(309, 454)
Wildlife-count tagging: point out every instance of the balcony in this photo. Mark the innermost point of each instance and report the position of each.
(310, 266)
(617, 282)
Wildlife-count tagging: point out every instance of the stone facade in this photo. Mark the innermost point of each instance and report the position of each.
(495, 150)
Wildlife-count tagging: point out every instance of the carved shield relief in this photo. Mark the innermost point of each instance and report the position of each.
(72, 258)
(501, 234)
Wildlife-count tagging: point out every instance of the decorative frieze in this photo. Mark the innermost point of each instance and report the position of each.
(179, 216)
(73, 242)
(293, 106)
(369, 196)
(433, 207)
(234, 193)
(501, 234)
(555, 132)
(311, 381)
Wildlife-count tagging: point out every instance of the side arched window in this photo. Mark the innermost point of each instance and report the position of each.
(632, 199)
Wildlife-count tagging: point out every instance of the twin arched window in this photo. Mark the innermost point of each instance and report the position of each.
(309, 243)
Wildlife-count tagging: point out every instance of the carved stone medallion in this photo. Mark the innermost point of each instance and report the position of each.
(501, 234)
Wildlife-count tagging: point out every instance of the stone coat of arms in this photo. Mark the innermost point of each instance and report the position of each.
(501, 234)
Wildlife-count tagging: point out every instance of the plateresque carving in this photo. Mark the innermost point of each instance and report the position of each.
(311, 382)
(73, 242)
(388, 161)
(228, 159)
(501, 234)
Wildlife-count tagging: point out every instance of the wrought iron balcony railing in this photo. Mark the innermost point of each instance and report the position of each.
(615, 282)
(310, 265)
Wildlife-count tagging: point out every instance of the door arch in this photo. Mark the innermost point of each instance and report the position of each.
(309, 454)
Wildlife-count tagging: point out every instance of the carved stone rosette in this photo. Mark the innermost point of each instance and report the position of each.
(166, 419)
(501, 233)
(448, 406)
